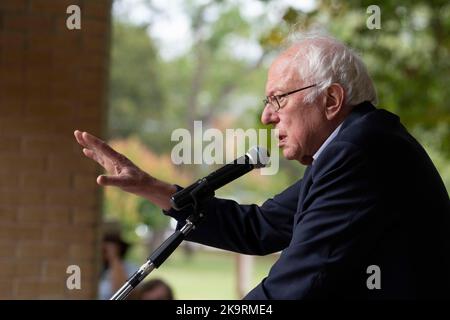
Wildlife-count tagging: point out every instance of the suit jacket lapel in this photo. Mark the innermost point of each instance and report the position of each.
(307, 181)
(306, 184)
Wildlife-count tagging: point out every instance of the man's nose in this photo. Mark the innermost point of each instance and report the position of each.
(269, 116)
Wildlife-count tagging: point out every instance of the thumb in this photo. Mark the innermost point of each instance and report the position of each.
(116, 181)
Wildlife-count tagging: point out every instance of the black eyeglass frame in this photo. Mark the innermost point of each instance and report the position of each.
(269, 99)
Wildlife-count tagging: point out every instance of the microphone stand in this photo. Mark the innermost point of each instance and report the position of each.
(166, 248)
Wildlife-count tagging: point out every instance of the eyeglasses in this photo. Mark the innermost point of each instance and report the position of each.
(276, 102)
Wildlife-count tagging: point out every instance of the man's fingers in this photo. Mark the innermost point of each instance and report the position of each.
(100, 145)
(101, 152)
(91, 154)
(116, 181)
(87, 152)
(79, 137)
(91, 139)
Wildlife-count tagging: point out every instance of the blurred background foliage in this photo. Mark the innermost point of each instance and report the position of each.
(179, 61)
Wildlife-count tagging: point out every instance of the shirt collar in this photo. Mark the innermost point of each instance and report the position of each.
(324, 145)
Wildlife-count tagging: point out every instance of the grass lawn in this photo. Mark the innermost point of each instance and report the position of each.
(209, 275)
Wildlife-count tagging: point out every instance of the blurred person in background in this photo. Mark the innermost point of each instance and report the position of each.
(155, 289)
(116, 270)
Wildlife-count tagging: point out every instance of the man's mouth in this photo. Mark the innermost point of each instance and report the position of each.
(281, 139)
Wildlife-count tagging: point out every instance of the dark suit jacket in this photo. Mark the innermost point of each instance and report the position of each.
(373, 197)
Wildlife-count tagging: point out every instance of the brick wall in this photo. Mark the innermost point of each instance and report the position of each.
(52, 81)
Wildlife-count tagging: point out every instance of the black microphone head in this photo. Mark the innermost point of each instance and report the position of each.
(258, 156)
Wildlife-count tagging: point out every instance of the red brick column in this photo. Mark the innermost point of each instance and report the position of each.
(52, 81)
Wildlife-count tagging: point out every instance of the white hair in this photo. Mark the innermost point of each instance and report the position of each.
(323, 60)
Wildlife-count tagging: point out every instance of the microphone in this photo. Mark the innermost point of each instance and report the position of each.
(255, 158)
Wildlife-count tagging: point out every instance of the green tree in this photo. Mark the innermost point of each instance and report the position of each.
(136, 93)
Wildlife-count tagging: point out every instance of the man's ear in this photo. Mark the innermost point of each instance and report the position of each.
(334, 100)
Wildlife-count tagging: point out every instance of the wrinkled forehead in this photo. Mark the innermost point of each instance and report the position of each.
(284, 71)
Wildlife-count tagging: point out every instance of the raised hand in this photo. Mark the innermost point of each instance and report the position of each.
(123, 173)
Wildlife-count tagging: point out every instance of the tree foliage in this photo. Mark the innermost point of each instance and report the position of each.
(136, 93)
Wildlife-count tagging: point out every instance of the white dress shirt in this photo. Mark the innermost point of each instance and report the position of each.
(324, 145)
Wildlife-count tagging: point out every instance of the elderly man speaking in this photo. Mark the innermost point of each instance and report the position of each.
(370, 199)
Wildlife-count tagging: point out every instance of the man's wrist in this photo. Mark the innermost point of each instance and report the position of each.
(158, 192)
